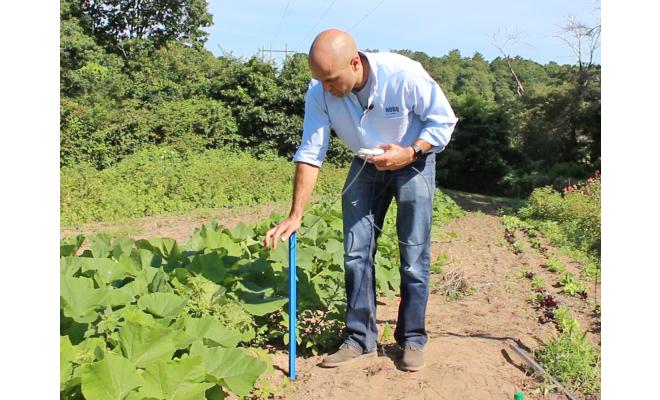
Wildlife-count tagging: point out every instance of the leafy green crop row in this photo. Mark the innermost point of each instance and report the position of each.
(161, 320)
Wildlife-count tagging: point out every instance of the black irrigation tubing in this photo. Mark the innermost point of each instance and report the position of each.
(538, 368)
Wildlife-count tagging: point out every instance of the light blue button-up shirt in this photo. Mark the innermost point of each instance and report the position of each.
(405, 104)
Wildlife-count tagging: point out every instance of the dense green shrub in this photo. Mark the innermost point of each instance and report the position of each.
(572, 218)
(102, 134)
(105, 133)
(162, 180)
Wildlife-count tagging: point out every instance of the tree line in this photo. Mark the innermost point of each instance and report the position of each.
(136, 73)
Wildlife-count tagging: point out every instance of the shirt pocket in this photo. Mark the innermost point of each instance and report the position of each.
(393, 120)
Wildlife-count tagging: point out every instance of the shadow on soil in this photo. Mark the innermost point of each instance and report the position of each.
(491, 205)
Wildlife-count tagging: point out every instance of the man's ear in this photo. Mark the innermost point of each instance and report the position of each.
(355, 62)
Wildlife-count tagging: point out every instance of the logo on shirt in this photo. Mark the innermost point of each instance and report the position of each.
(393, 112)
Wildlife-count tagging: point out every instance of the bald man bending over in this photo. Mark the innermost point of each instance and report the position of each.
(388, 101)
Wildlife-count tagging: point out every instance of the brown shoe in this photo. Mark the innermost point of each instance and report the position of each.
(345, 355)
(413, 358)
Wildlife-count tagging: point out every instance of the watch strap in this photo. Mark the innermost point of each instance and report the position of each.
(418, 151)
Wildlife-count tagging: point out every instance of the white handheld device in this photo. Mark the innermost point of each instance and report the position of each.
(373, 151)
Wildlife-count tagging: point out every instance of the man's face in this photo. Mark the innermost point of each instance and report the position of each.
(338, 80)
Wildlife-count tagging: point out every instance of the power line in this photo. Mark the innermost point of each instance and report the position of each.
(316, 24)
(366, 15)
(282, 20)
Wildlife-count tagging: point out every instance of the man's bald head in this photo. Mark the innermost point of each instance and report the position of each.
(332, 49)
(336, 63)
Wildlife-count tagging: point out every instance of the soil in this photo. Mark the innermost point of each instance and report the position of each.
(178, 227)
(467, 356)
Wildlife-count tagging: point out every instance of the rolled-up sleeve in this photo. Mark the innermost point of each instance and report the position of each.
(316, 128)
(434, 110)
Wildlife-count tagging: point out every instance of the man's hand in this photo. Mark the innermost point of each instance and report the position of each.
(395, 157)
(285, 229)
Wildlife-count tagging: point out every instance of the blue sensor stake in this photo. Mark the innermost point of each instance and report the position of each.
(292, 306)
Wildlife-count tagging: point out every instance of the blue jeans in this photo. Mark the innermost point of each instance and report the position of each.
(367, 201)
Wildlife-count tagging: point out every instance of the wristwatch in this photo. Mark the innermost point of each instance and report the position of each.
(418, 151)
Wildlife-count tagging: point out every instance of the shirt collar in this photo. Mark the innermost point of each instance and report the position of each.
(373, 74)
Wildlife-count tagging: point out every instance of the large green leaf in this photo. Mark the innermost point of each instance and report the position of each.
(280, 254)
(259, 272)
(160, 283)
(265, 306)
(100, 245)
(209, 265)
(107, 270)
(388, 277)
(336, 249)
(69, 245)
(133, 314)
(90, 349)
(135, 288)
(209, 328)
(166, 247)
(219, 240)
(312, 224)
(146, 276)
(166, 305)
(215, 393)
(130, 264)
(232, 368)
(147, 258)
(124, 295)
(86, 352)
(305, 258)
(121, 246)
(227, 243)
(181, 379)
(246, 290)
(66, 357)
(69, 266)
(241, 232)
(112, 378)
(145, 344)
(79, 299)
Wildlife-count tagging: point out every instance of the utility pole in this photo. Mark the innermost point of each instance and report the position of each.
(270, 52)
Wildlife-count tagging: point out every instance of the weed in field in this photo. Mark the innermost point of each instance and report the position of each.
(537, 282)
(572, 360)
(437, 266)
(555, 265)
(320, 330)
(517, 247)
(571, 286)
(534, 242)
(387, 336)
(527, 273)
(512, 223)
(448, 234)
(509, 288)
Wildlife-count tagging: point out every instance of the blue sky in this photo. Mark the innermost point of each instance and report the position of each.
(434, 27)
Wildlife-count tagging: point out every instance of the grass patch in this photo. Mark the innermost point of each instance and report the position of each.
(570, 357)
(167, 181)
